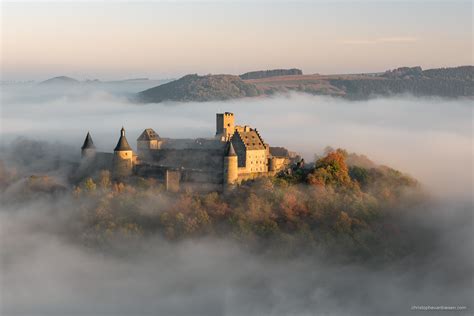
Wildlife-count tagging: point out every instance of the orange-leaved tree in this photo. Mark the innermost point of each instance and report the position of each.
(331, 170)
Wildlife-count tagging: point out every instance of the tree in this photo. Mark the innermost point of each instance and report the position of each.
(331, 170)
(104, 179)
(359, 174)
(89, 185)
(343, 223)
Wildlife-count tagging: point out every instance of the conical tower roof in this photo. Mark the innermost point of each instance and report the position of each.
(122, 144)
(88, 143)
(231, 150)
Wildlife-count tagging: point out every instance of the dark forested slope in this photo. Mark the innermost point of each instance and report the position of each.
(200, 88)
(441, 82)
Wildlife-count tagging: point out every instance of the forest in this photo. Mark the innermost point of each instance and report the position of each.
(344, 205)
(454, 82)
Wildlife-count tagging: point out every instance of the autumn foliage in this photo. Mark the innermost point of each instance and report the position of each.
(331, 170)
(313, 208)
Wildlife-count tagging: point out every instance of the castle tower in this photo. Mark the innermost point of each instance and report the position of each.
(123, 157)
(224, 126)
(230, 166)
(146, 142)
(88, 148)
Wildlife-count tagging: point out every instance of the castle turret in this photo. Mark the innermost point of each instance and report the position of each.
(230, 166)
(146, 142)
(224, 126)
(123, 157)
(88, 148)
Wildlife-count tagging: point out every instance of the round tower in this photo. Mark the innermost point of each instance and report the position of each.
(123, 157)
(230, 166)
(88, 148)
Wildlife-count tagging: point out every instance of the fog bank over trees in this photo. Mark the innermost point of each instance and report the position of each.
(46, 271)
(429, 138)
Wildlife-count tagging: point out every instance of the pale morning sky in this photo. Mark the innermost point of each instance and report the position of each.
(163, 39)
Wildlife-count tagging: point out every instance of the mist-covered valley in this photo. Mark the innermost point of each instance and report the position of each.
(46, 270)
(420, 136)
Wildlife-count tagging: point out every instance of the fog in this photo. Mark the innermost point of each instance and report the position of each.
(428, 138)
(43, 273)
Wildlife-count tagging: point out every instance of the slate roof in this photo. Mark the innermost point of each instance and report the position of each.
(251, 139)
(231, 150)
(122, 144)
(88, 143)
(149, 134)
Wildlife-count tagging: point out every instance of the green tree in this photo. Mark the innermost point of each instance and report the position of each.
(104, 179)
(89, 185)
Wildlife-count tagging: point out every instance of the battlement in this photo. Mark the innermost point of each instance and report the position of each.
(224, 125)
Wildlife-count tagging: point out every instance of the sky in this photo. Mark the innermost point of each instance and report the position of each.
(166, 39)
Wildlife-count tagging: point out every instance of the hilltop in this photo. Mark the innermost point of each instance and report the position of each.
(343, 202)
(442, 82)
(200, 88)
(271, 73)
(63, 80)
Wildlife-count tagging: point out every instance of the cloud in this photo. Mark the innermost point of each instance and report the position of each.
(399, 39)
(382, 40)
(359, 42)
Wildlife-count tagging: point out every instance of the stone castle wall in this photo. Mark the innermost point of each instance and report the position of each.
(225, 125)
(256, 161)
(201, 159)
(122, 164)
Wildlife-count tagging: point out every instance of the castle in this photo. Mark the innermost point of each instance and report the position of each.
(235, 154)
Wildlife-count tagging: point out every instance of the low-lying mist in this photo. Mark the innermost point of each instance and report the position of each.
(429, 138)
(43, 272)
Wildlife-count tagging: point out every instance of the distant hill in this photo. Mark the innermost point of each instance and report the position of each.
(442, 82)
(271, 73)
(60, 80)
(135, 79)
(459, 73)
(200, 88)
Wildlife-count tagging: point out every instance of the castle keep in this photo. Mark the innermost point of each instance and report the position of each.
(235, 154)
